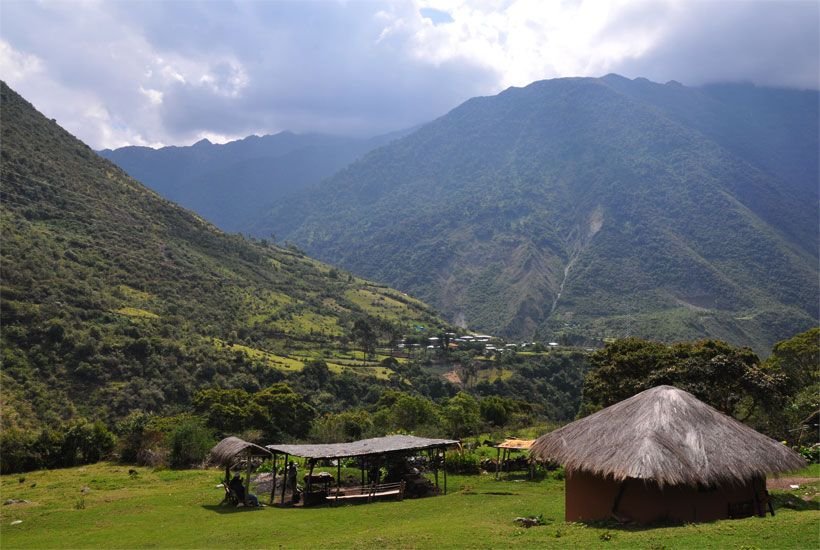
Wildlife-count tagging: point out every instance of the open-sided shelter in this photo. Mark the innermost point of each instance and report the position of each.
(232, 452)
(506, 448)
(663, 455)
(369, 450)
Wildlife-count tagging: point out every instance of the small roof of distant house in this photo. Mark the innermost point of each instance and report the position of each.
(669, 436)
(374, 446)
(516, 444)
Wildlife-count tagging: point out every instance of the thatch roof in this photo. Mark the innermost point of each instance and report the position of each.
(226, 450)
(375, 446)
(669, 436)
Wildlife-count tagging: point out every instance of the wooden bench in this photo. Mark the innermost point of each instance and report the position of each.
(370, 492)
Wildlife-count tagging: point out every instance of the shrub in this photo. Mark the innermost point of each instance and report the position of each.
(131, 430)
(811, 453)
(189, 443)
(462, 463)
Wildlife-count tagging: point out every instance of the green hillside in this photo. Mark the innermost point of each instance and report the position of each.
(114, 299)
(589, 208)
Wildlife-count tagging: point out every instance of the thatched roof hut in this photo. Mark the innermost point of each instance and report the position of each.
(226, 451)
(667, 445)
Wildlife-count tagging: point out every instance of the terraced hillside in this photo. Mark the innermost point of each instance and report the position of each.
(114, 299)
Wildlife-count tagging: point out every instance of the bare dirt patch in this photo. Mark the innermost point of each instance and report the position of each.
(453, 377)
(783, 483)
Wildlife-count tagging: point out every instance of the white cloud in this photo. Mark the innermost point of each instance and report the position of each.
(154, 96)
(120, 73)
(16, 65)
(530, 40)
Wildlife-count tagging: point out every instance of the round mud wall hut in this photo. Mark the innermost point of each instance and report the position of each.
(663, 455)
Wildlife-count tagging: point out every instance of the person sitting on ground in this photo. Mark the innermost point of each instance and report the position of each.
(239, 490)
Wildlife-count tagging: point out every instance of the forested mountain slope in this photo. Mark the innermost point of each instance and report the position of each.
(590, 208)
(114, 299)
(231, 183)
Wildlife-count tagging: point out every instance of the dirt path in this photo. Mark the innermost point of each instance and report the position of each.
(782, 483)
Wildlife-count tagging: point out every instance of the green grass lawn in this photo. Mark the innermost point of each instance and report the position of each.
(102, 506)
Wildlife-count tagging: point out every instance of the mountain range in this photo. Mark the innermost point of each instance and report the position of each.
(588, 208)
(116, 300)
(229, 184)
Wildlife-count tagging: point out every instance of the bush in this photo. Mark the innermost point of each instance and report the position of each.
(18, 451)
(811, 453)
(462, 463)
(189, 444)
(86, 443)
(131, 431)
(79, 442)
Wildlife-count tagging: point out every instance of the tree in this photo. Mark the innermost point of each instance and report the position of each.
(495, 410)
(364, 334)
(727, 378)
(398, 411)
(226, 411)
(280, 410)
(344, 426)
(461, 415)
(190, 442)
(798, 360)
(315, 374)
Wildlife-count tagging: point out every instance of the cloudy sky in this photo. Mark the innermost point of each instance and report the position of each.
(134, 72)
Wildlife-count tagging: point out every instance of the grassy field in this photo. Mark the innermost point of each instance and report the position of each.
(104, 506)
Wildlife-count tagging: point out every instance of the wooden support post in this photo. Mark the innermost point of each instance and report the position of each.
(284, 478)
(497, 461)
(312, 463)
(435, 468)
(361, 464)
(338, 478)
(444, 467)
(248, 477)
(273, 480)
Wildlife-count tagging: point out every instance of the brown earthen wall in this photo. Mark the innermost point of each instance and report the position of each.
(590, 497)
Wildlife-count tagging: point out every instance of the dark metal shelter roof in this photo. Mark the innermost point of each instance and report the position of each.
(375, 446)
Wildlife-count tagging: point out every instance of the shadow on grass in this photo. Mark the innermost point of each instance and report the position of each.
(793, 502)
(223, 509)
(631, 526)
